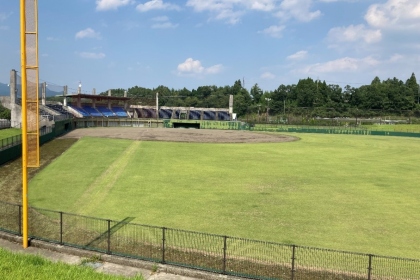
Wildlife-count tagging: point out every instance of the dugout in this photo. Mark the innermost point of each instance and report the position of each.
(195, 125)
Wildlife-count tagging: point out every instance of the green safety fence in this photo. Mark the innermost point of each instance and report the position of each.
(214, 253)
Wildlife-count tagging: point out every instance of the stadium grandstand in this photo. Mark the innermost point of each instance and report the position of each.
(92, 106)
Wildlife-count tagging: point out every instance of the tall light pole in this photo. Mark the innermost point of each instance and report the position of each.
(268, 108)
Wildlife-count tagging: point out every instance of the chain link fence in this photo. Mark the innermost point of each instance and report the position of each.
(214, 253)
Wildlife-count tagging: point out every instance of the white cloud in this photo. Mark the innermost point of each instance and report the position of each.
(156, 5)
(88, 33)
(354, 33)
(91, 55)
(273, 31)
(214, 69)
(103, 5)
(231, 10)
(267, 76)
(263, 5)
(298, 55)
(395, 14)
(190, 66)
(163, 22)
(164, 25)
(396, 57)
(298, 9)
(193, 67)
(346, 64)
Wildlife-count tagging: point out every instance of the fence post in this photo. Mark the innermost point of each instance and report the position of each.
(20, 220)
(109, 237)
(163, 244)
(61, 228)
(293, 262)
(370, 267)
(224, 253)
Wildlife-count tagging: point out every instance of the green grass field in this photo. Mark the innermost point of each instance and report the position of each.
(344, 192)
(15, 266)
(9, 132)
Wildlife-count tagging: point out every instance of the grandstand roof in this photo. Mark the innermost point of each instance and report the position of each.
(95, 97)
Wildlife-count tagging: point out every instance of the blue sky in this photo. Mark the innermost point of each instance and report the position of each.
(189, 43)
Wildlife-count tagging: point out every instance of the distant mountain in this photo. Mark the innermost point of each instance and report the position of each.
(4, 90)
(53, 92)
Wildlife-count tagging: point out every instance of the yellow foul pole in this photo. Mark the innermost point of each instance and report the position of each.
(24, 125)
(30, 102)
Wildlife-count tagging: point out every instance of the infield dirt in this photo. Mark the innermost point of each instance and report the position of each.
(180, 135)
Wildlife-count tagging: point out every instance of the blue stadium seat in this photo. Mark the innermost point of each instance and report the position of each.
(105, 111)
(120, 112)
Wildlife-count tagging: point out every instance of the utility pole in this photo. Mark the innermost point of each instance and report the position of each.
(268, 106)
(157, 108)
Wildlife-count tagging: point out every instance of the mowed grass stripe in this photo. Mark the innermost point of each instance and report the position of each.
(101, 187)
(349, 192)
(67, 178)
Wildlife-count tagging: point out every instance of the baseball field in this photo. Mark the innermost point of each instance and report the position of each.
(345, 192)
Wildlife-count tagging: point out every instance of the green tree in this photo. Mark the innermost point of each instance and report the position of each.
(256, 94)
(4, 113)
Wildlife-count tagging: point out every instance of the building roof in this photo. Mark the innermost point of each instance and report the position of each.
(96, 97)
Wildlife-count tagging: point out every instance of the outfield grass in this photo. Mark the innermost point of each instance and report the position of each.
(9, 132)
(345, 192)
(18, 266)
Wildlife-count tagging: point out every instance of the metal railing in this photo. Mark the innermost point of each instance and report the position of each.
(214, 253)
(17, 139)
(10, 141)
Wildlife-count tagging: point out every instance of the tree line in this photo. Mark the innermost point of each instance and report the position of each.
(312, 97)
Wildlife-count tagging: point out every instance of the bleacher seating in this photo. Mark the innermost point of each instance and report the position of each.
(80, 111)
(105, 111)
(223, 116)
(176, 114)
(148, 113)
(165, 113)
(194, 115)
(46, 114)
(57, 108)
(120, 112)
(209, 115)
(92, 111)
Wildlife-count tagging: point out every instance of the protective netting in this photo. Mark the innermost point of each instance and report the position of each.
(10, 217)
(32, 87)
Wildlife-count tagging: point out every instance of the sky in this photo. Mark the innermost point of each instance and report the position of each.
(190, 43)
